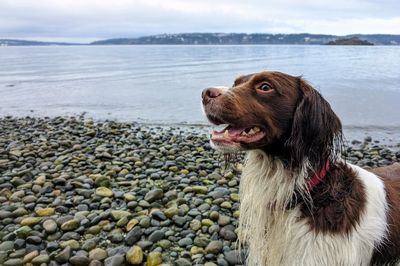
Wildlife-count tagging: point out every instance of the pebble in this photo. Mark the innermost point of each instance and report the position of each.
(154, 259)
(134, 255)
(214, 247)
(75, 191)
(115, 260)
(45, 212)
(154, 195)
(50, 226)
(97, 254)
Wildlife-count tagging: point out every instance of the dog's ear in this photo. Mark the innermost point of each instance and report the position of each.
(316, 133)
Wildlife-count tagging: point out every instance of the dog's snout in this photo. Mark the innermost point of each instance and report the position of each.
(210, 93)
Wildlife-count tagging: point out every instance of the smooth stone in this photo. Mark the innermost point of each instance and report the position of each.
(154, 195)
(42, 258)
(156, 236)
(226, 205)
(64, 255)
(227, 233)
(45, 212)
(131, 224)
(164, 243)
(7, 246)
(89, 244)
(33, 240)
(95, 263)
(234, 257)
(30, 221)
(184, 242)
(97, 254)
(214, 215)
(71, 243)
(119, 214)
(23, 231)
(104, 192)
(50, 226)
(115, 260)
(70, 225)
(29, 257)
(134, 255)
(182, 262)
(195, 225)
(171, 211)
(154, 259)
(214, 247)
(200, 189)
(133, 236)
(13, 262)
(79, 260)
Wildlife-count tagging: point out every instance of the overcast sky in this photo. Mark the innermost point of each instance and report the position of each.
(88, 20)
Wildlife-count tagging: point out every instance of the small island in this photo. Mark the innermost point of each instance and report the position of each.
(351, 41)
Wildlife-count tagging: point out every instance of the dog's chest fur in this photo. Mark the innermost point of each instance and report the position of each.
(304, 235)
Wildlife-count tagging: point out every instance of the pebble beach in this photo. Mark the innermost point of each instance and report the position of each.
(74, 191)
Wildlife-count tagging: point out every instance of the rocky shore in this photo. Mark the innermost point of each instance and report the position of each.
(78, 192)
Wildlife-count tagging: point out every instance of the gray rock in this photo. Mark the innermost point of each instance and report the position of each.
(234, 257)
(156, 236)
(13, 262)
(64, 255)
(182, 262)
(42, 258)
(115, 260)
(50, 226)
(7, 246)
(79, 260)
(154, 195)
(133, 236)
(184, 242)
(227, 233)
(214, 247)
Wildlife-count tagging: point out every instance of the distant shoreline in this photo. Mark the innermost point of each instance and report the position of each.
(221, 39)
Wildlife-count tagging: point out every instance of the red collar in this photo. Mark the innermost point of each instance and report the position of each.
(318, 176)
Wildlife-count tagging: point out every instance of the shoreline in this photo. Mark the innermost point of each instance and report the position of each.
(116, 193)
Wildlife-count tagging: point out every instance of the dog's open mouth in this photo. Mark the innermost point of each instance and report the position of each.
(231, 134)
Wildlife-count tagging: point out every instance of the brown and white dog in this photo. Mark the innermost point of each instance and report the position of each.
(301, 204)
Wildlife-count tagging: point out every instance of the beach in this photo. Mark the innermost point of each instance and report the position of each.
(90, 192)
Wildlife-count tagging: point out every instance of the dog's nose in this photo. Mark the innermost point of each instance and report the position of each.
(210, 93)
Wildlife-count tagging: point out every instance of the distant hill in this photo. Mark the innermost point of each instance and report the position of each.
(350, 41)
(255, 38)
(10, 42)
(223, 38)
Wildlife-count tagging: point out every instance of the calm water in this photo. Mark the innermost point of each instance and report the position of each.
(162, 84)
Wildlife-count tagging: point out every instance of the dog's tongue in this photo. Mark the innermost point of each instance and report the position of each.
(235, 131)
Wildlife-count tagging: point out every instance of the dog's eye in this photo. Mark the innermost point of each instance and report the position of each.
(265, 87)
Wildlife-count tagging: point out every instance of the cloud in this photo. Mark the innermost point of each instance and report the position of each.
(90, 19)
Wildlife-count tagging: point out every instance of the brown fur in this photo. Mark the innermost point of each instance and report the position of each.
(338, 202)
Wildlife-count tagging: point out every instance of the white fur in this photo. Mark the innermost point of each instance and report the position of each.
(276, 236)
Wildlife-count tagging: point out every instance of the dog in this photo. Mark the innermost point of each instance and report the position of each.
(300, 202)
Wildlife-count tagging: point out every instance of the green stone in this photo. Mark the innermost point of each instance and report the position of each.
(135, 255)
(70, 225)
(154, 259)
(118, 214)
(200, 189)
(23, 231)
(207, 222)
(104, 192)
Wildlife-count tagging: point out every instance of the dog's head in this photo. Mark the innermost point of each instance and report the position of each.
(278, 113)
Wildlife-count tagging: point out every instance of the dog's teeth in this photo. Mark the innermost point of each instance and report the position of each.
(251, 132)
(226, 134)
(244, 133)
(256, 129)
